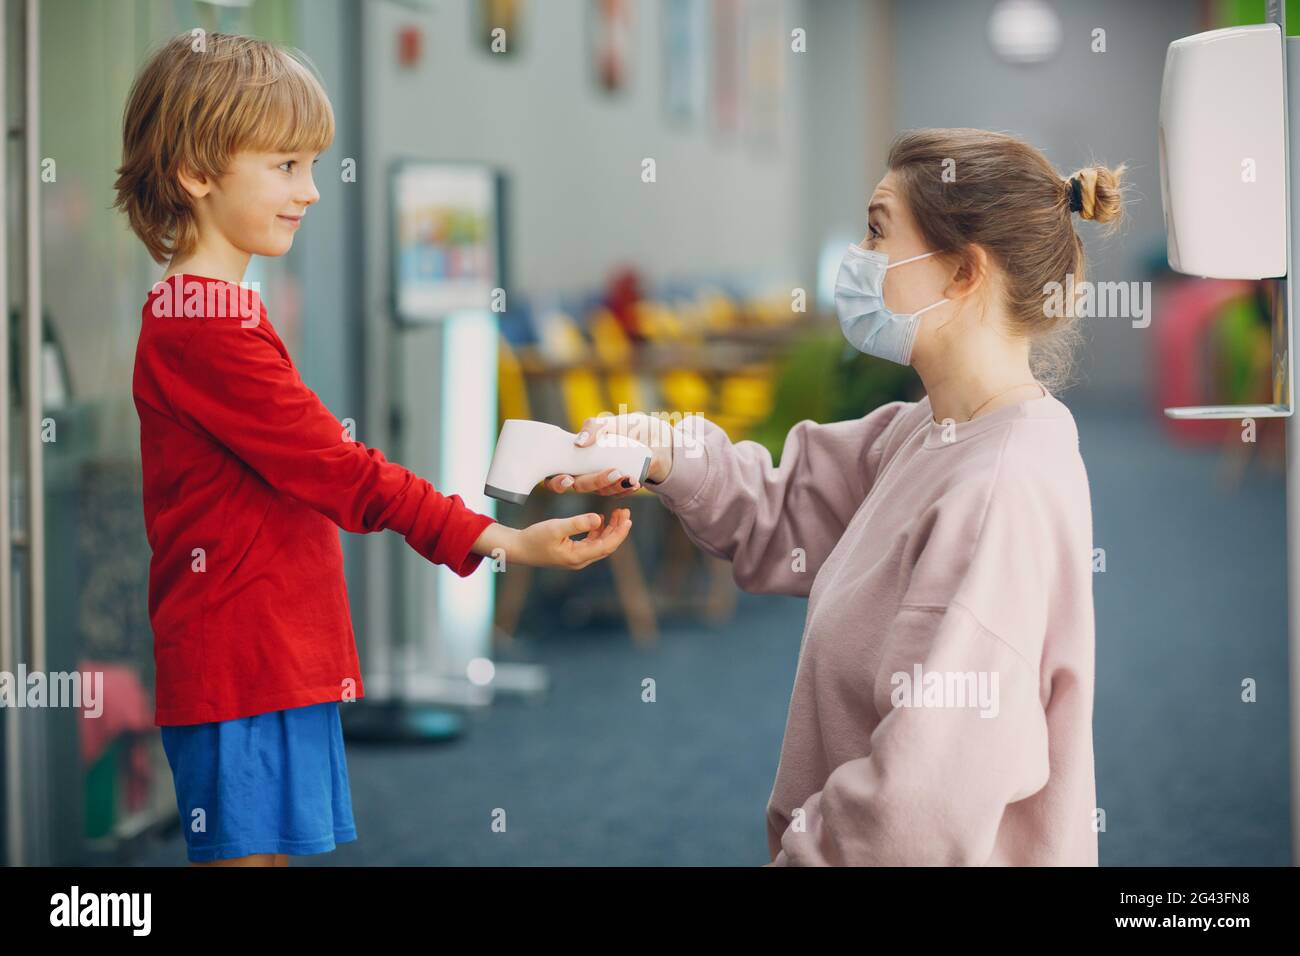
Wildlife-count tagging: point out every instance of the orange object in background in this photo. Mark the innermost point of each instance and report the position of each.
(621, 296)
(408, 46)
(1184, 322)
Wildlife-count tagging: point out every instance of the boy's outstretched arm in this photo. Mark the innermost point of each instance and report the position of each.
(236, 383)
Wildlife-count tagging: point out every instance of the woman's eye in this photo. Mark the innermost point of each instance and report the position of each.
(288, 162)
(875, 233)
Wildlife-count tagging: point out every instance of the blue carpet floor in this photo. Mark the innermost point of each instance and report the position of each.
(1191, 603)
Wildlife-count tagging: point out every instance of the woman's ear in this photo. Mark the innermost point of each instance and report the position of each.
(972, 271)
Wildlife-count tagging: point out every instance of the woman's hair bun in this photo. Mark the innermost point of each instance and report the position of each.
(1102, 192)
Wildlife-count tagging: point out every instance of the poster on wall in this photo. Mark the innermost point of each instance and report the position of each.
(764, 51)
(609, 26)
(726, 66)
(498, 27)
(446, 238)
(685, 27)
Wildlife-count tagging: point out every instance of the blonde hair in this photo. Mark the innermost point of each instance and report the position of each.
(202, 98)
(1005, 196)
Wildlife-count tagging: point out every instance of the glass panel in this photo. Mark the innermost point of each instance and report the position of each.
(96, 276)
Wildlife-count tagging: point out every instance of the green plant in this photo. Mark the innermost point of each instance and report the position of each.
(824, 379)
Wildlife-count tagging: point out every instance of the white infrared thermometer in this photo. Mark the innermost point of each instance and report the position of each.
(529, 451)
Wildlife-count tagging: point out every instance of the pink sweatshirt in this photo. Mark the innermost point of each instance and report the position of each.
(942, 705)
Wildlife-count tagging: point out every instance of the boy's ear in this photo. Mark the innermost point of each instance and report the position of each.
(195, 184)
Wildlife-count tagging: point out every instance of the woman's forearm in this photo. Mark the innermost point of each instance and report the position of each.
(775, 523)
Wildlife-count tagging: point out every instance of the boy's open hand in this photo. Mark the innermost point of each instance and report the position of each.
(548, 543)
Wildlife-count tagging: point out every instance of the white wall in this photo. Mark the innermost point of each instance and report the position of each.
(848, 115)
(573, 153)
(1074, 107)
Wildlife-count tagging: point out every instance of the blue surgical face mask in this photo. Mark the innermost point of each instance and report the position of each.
(860, 302)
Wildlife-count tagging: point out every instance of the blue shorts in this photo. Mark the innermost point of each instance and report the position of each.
(272, 783)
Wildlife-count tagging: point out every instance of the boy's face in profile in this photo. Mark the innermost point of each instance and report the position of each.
(257, 204)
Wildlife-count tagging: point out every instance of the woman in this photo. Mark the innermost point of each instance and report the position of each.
(942, 706)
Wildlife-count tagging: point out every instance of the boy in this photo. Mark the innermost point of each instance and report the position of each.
(247, 474)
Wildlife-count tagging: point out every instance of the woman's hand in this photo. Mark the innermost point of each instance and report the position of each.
(654, 432)
(547, 544)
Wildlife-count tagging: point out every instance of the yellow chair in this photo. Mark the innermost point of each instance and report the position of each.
(614, 348)
(512, 390)
(735, 401)
(582, 396)
(744, 400)
(608, 340)
(685, 392)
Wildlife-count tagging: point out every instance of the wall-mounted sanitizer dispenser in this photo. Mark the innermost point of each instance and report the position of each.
(1225, 181)
(1224, 176)
(1223, 154)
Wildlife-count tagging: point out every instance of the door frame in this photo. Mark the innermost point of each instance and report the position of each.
(22, 634)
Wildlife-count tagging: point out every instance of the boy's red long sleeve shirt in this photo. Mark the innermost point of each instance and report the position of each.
(247, 478)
